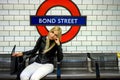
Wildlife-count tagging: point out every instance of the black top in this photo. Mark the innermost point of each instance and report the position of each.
(47, 57)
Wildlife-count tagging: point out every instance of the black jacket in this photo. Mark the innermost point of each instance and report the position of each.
(47, 57)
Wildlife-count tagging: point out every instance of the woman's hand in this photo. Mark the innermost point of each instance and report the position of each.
(57, 41)
(17, 54)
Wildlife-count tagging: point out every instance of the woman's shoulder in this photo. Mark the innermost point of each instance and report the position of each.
(42, 38)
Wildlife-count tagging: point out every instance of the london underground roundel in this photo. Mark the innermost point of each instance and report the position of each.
(70, 6)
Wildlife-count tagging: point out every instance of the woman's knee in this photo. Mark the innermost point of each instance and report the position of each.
(24, 76)
(35, 77)
(42, 72)
(49, 67)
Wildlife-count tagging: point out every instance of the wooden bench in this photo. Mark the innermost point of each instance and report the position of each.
(107, 61)
(73, 66)
(106, 64)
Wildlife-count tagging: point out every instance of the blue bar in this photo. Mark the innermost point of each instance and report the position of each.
(58, 20)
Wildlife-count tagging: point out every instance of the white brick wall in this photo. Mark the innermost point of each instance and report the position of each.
(102, 33)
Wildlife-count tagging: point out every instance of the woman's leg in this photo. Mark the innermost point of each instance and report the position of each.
(42, 71)
(29, 70)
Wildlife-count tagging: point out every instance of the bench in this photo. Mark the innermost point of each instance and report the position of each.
(72, 62)
(107, 61)
(107, 64)
(73, 66)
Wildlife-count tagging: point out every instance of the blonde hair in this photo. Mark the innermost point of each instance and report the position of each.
(48, 47)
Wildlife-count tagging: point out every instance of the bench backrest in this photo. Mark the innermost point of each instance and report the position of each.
(74, 61)
(106, 60)
(5, 60)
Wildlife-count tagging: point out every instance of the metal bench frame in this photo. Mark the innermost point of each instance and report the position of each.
(19, 63)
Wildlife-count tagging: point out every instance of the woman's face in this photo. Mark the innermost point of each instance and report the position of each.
(53, 35)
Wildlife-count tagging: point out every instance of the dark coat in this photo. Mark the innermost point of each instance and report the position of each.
(47, 57)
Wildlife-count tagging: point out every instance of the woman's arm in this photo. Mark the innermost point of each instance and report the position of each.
(35, 49)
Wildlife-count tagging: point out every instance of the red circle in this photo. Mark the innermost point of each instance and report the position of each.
(69, 5)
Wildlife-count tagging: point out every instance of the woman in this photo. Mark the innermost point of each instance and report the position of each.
(47, 48)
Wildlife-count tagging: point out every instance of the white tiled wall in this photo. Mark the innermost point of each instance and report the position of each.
(102, 33)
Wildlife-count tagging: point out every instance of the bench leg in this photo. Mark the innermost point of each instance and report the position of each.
(58, 78)
(97, 70)
(58, 72)
(89, 65)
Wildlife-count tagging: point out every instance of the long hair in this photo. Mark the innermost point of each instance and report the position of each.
(49, 46)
